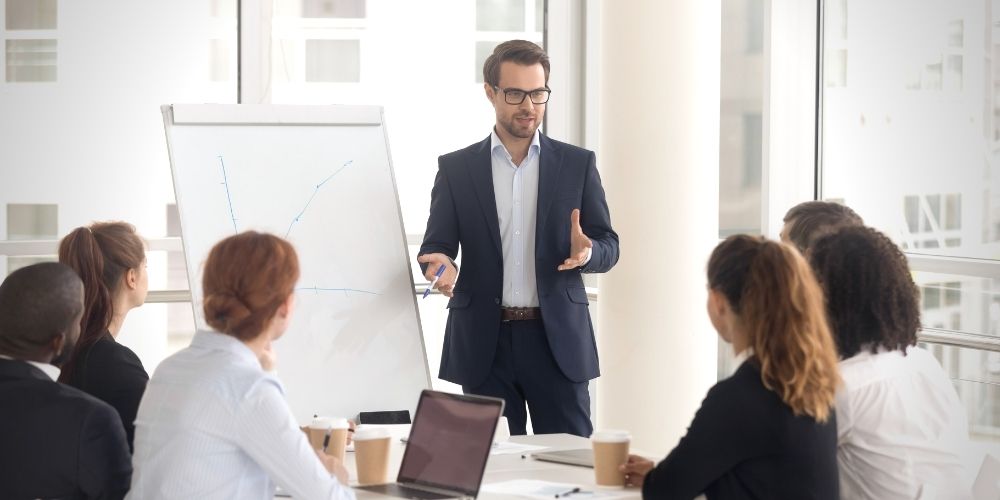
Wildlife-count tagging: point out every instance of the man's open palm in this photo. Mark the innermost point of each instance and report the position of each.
(579, 244)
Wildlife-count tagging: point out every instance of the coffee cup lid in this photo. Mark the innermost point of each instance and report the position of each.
(320, 423)
(611, 436)
(366, 432)
(339, 423)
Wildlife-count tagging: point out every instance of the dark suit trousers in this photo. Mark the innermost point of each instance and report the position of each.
(524, 371)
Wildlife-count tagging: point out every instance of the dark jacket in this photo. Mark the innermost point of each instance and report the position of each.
(745, 443)
(464, 214)
(112, 373)
(56, 441)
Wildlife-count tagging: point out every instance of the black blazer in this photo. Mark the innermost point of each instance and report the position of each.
(112, 373)
(56, 441)
(464, 213)
(744, 442)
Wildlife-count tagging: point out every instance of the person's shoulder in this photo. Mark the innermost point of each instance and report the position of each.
(80, 403)
(108, 356)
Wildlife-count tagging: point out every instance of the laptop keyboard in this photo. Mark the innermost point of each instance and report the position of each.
(398, 490)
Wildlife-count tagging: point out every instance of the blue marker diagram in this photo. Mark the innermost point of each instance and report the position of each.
(229, 198)
(232, 215)
(315, 191)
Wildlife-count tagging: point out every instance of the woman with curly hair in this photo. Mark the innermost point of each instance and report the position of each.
(769, 430)
(900, 424)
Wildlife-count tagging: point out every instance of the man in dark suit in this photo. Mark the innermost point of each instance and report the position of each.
(57, 441)
(529, 215)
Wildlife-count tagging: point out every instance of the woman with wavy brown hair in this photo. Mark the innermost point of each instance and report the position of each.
(769, 430)
(901, 428)
(214, 423)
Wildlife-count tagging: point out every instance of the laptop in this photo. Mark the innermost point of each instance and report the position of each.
(446, 452)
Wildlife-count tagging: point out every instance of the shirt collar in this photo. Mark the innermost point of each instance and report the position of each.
(495, 143)
(219, 341)
(50, 370)
(740, 358)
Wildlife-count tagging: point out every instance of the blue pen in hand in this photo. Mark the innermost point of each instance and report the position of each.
(437, 276)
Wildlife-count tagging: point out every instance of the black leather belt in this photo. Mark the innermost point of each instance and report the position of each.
(520, 313)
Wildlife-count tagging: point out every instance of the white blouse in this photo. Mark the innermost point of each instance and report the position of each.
(901, 428)
(213, 425)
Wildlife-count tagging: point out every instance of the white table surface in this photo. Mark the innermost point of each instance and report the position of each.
(508, 466)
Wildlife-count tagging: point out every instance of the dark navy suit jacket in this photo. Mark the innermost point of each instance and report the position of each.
(57, 441)
(463, 215)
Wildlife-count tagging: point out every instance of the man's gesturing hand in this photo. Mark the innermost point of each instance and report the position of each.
(579, 244)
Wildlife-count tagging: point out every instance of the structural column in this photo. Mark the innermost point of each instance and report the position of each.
(659, 159)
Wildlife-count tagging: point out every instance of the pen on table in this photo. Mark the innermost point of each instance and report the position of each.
(568, 493)
(437, 275)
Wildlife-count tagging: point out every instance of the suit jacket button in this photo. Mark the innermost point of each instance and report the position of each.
(496, 301)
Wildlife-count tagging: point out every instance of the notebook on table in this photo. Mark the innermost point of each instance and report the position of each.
(447, 448)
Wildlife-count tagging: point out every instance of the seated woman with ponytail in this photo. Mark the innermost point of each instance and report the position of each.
(110, 258)
(769, 430)
(214, 423)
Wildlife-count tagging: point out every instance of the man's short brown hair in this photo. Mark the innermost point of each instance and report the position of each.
(811, 220)
(521, 52)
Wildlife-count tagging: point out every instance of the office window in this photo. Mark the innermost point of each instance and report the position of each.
(32, 221)
(500, 15)
(483, 51)
(741, 127)
(92, 146)
(909, 141)
(31, 60)
(333, 61)
(333, 8)
(30, 14)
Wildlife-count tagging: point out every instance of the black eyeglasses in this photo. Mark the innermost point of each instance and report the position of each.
(516, 96)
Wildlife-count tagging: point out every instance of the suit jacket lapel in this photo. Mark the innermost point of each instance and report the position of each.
(481, 170)
(548, 180)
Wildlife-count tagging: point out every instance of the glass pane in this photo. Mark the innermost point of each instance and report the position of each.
(395, 39)
(540, 15)
(333, 61)
(32, 221)
(976, 375)
(500, 15)
(910, 139)
(959, 303)
(483, 50)
(333, 8)
(31, 60)
(15, 263)
(31, 14)
(219, 60)
(741, 125)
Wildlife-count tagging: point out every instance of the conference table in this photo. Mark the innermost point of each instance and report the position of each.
(501, 468)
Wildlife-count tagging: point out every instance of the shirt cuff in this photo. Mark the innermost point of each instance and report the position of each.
(590, 253)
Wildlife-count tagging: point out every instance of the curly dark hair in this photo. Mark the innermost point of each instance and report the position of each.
(811, 220)
(871, 299)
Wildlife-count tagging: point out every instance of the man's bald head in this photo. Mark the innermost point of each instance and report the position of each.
(38, 304)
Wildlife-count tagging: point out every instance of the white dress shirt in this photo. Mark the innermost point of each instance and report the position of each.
(213, 425)
(515, 188)
(900, 428)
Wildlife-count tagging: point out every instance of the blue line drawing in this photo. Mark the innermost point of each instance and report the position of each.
(315, 191)
(225, 182)
(346, 291)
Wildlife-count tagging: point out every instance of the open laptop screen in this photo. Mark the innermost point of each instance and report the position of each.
(450, 441)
